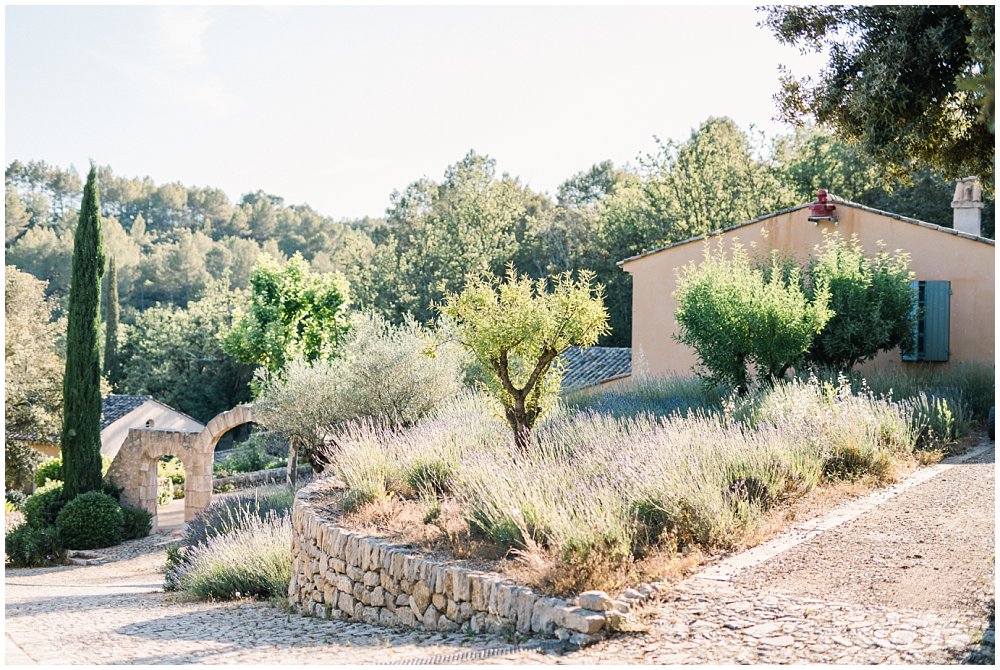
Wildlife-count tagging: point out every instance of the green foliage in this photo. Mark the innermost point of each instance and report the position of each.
(50, 469)
(430, 475)
(517, 327)
(920, 53)
(90, 521)
(248, 456)
(397, 374)
(136, 523)
(80, 440)
(43, 506)
(171, 468)
(164, 491)
(392, 374)
(174, 354)
(871, 300)
(33, 368)
(939, 418)
(293, 312)
(112, 370)
(710, 181)
(29, 545)
(735, 314)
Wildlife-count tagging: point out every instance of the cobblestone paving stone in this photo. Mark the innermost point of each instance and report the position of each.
(114, 613)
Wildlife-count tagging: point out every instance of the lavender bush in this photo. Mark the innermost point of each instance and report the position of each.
(251, 561)
(231, 513)
(597, 481)
(219, 533)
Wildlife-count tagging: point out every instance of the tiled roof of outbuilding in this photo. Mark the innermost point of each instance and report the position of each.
(114, 407)
(592, 365)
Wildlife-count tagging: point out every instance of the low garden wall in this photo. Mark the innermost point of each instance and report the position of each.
(247, 479)
(340, 574)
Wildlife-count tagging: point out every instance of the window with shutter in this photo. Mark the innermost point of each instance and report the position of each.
(933, 321)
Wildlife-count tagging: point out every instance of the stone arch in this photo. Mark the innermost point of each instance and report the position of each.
(134, 466)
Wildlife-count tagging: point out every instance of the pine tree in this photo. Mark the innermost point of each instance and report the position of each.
(111, 325)
(81, 429)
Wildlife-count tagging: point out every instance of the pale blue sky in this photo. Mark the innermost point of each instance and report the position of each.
(338, 106)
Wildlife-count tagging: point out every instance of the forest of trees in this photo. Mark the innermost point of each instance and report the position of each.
(184, 255)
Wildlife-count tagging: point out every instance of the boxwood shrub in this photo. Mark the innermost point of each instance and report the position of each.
(90, 521)
(29, 546)
(42, 507)
(137, 522)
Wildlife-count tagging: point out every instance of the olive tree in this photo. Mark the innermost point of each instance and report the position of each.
(393, 374)
(517, 327)
(736, 313)
(871, 299)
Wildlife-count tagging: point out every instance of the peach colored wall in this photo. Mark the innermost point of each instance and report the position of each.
(934, 255)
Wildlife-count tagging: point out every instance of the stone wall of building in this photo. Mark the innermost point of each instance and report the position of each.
(340, 574)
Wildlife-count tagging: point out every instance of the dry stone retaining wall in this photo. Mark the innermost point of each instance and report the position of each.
(340, 574)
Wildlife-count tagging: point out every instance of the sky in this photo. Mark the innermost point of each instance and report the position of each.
(339, 106)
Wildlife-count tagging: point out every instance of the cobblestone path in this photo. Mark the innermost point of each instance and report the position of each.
(910, 581)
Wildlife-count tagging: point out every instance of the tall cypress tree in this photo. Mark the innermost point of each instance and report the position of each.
(81, 429)
(111, 325)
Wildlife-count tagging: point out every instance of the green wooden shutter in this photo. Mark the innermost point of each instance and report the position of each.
(937, 320)
(917, 314)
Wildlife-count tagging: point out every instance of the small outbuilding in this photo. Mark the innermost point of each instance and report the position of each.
(119, 414)
(954, 277)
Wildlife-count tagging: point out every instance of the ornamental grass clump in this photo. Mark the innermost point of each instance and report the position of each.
(253, 561)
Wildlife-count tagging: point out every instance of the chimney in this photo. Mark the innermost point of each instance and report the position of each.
(967, 203)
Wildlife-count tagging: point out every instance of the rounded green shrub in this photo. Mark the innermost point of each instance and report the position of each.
(29, 545)
(91, 520)
(136, 522)
(49, 469)
(42, 507)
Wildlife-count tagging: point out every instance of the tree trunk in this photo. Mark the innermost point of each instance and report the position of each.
(520, 424)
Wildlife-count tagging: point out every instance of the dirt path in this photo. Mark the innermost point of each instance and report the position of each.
(910, 581)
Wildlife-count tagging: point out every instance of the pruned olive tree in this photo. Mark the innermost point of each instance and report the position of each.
(517, 327)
